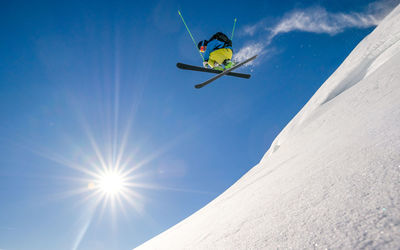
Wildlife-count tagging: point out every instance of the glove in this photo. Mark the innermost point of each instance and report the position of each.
(205, 64)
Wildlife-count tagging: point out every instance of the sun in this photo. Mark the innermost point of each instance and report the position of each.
(111, 183)
(112, 186)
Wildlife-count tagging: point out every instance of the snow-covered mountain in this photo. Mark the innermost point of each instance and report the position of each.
(331, 179)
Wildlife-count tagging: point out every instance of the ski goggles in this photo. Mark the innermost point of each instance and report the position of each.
(202, 48)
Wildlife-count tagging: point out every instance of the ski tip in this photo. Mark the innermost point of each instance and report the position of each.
(198, 86)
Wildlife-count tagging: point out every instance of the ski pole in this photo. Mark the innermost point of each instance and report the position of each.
(183, 20)
(233, 30)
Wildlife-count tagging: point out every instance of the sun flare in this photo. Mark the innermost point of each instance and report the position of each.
(111, 183)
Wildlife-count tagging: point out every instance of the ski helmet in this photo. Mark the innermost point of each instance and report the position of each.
(202, 45)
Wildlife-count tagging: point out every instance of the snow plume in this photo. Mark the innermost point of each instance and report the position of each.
(315, 20)
(252, 29)
(249, 51)
(318, 20)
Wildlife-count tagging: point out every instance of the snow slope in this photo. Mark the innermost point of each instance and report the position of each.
(331, 179)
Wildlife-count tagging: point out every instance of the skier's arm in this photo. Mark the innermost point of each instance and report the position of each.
(210, 48)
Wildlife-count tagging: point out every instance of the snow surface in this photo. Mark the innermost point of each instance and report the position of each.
(331, 179)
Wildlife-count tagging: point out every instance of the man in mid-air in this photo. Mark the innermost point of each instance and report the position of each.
(217, 52)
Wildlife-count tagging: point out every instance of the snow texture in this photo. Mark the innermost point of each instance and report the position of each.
(331, 179)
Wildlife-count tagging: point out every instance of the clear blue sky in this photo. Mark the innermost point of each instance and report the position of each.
(82, 80)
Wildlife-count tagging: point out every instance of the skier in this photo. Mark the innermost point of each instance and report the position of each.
(217, 52)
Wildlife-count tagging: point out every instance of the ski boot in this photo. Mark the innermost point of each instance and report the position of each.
(228, 64)
(218, 67)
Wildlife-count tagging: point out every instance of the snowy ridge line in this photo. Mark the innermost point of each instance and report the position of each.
(377, 48)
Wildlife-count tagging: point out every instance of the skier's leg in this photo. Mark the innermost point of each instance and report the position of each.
(228, 54)
(217, 56)
(211, 62)
(228, 61)
(221, 55)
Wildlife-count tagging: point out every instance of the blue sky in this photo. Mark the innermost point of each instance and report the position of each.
(86, 86)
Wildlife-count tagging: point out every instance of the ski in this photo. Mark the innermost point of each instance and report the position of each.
(201, 69)
(225, 72)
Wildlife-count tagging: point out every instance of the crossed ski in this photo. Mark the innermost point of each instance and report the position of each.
(219, 73)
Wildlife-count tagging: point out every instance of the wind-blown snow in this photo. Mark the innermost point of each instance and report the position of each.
(331, 179)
